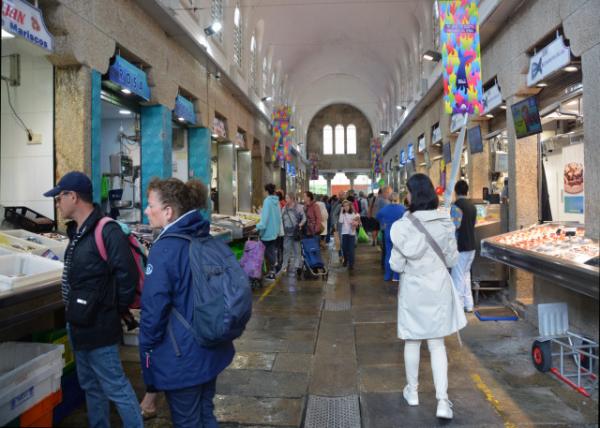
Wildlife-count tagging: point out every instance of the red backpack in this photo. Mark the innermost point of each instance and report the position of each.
(138, 251)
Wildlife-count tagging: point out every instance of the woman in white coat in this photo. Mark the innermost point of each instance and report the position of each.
(426, 303)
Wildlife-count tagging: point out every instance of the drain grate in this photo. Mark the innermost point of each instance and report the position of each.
(332, 412)
(334, 306)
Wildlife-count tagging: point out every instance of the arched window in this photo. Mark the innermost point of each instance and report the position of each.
(351, 139)
(265, 76)
(237, 37)
(216, 14)
(339, 140)
(327, 140)
(253, 62)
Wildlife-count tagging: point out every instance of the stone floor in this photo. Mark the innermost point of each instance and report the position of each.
(308, 340)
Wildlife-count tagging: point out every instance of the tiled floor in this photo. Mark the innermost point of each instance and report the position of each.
(294, 348)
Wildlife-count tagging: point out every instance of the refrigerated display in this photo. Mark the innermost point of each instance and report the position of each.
(556, 251)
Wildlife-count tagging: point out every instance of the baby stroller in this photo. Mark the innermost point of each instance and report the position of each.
(252, 260)
(313, 266)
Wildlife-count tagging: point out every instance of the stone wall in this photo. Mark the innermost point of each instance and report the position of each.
(340, 114)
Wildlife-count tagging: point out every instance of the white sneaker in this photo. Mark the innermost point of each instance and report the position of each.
(444, 409)
(411, 395)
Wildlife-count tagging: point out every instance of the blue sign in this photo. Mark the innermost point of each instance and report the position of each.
(184, 108)
(411, 151)
(22, 19)
(402, 157)
(291, 169)
(128, 76)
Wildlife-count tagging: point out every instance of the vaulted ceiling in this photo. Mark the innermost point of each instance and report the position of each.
(361, 52)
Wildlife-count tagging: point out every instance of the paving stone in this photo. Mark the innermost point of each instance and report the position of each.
(381, 410)
(252, 360)
(373, 316)
(258, 383)
(275, 345)
(259, 411)
(376, 333)
(380, 354)
(286, 362)
(393, 379)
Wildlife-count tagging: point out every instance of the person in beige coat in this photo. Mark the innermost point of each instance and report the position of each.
(427, 307)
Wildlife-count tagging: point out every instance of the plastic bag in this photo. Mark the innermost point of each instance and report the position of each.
(363, 238)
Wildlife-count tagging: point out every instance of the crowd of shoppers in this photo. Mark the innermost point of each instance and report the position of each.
(424, 248)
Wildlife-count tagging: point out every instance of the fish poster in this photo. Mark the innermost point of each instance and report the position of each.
(461, 56)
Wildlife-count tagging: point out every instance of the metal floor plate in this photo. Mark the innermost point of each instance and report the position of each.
(332, 412)
(343, 305)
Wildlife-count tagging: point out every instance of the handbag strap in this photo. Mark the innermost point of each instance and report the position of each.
(434, 245)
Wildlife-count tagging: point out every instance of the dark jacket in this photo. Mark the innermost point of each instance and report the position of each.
(466, 232)
(177, 361)
(115, 281)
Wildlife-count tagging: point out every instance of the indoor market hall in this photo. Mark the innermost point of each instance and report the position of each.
(299, 213)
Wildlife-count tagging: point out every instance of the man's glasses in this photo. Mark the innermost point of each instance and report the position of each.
(58, 197)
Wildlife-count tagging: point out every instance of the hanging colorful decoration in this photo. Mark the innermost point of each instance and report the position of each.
(376, 157)
(461, 56)
(314, 166)
(280, 119)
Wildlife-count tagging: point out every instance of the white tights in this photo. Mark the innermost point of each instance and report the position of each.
(439, 365)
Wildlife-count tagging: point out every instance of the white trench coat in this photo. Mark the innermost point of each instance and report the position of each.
(426, 304)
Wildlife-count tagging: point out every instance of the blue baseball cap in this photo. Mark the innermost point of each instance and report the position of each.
(73, 181)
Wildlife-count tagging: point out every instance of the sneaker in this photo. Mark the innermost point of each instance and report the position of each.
(411, 395)
(444, 409)
(270, 277)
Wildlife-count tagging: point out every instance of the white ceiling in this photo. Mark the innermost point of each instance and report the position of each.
(352, 51)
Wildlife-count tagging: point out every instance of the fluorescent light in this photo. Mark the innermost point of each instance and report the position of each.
(215, 135)
(399, 107)
(217, 26)
(7, 35)
(571, 68)
(265, 99)
(181, 119)
(428, 57)
(126, 91)
(503, 107)
(489, 116)
(542, 85)
(124, 112)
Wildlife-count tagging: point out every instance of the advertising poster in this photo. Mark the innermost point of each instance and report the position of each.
(526, 117)
(573, 187)
(461, 56)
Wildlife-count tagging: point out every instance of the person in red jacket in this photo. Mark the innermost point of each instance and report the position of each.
(314, 221)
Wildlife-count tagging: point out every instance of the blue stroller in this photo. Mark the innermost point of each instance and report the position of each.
(313, 266)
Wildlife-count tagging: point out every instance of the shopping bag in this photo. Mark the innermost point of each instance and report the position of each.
(363, 238)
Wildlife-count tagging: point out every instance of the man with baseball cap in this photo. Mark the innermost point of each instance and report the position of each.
(95, 292)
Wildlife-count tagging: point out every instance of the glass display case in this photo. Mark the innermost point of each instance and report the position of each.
(556, 251)
(491, 221)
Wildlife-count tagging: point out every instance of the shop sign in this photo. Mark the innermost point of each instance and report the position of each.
(553, 57)
(492, 98)
(411, 152)
(25, 20)
(461, 56)
(402, 157)
(185, 108)
(436, 135)
(128, 76)
(456, 122)
(219, 128)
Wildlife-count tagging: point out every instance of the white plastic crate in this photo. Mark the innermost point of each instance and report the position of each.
(5, 251)
(29, 372)
(19, 245)
(131, 338)
(55, 246)
(19, 270)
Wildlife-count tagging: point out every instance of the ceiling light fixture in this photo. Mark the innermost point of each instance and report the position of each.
(126, 91)
(571, 68)
(7, 35)
(399, 107)
(265, 99)
(215, 136)
(214, 28)
(292, 128)
(432, 56)
(124, 112)
(541, 85)
(181, 119)
(489, 116)
(382, 133)
(503, 107)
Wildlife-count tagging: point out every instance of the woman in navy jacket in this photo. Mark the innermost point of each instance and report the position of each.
(172, 360)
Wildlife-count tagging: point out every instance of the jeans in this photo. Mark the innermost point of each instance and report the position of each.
(102, 378)
(193, 407)
(291, 253)
(461, 276)
(439, 365)
(271, 255)
(348, 248)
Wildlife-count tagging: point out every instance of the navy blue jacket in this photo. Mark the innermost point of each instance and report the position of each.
(175, 361)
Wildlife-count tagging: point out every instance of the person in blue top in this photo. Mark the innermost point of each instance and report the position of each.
(269, 228)
(386, 216)
(172, 360)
